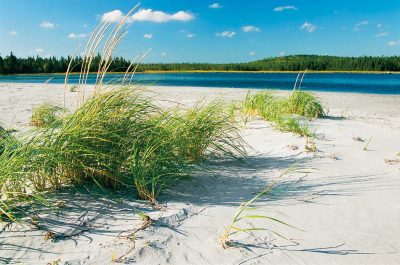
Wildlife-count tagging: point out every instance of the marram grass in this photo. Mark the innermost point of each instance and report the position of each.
(119, 139)
(45, 114)
(286, 114)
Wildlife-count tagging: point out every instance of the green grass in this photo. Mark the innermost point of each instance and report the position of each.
(286, 114)
(45, 114)
(73, 88)
(118, 139)
(305, 104)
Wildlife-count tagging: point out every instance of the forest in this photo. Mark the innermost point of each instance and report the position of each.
(10, 64)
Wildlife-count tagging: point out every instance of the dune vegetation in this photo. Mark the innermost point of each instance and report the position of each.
(45, 114)
(289, 114)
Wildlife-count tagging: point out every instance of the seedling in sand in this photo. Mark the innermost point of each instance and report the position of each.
(241, 214)
(366, 146)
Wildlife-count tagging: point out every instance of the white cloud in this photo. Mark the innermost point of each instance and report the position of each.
(250, 29)
(226, 34)
(190, 35)
(13, 32)
(163, 54)
(381, 34)
(360, 24)
(47, 25)
(394, 43)
(379, 25)
(283, 8)
(76, 36)
(160, 16)
(252, 53)
(147, 15)
(282, 53)
(148, 36)
(85, 25)
(39, 50)
(112, 16)
(308, 27)
(215, 6)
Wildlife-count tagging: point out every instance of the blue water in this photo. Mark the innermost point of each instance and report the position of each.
(336, 82)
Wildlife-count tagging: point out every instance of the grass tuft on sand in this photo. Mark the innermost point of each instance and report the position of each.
(45, 114)
(286, 114)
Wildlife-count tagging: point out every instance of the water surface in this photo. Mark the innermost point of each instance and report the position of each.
(335, 82)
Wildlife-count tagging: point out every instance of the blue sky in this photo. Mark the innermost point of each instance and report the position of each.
(206, 31)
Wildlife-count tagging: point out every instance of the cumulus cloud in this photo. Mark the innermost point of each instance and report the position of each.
(250, 29)
(76, 36)
(160, 16)
(282, 53)
(284, 8)
(147, 15)
(360, 24)
(47, 25)
(148, 36)
(190, 35)
(13, 32)
(226, 34)
(215, 6)
(308, 27)
(394, 43)
(252, 53)
(39, 50)
(112, 16)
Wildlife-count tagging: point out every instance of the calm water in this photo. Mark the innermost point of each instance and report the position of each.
(338, 82)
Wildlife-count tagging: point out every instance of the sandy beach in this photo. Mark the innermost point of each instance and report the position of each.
(346, 207)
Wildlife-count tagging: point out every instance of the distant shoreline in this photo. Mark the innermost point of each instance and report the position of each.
(236, 72)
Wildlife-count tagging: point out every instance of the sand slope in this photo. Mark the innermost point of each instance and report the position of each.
(347, 205)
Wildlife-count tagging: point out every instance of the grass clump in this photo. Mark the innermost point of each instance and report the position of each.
(286, 114)
(45, 114)
(118, 139)
(205, 132)
(305, 104)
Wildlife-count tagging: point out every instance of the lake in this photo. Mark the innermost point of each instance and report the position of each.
(335, 82)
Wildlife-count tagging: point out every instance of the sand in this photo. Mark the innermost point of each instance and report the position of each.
(346, 208)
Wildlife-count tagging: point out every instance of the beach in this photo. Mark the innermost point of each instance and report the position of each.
(342, 208)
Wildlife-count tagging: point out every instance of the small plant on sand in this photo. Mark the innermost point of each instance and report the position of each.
(44, 115)
(73, 88)
(368, 142)
(243, 213)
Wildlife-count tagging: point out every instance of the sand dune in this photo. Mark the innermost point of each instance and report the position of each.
(346, 208)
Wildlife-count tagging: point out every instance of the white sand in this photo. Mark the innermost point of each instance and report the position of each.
(349, 208)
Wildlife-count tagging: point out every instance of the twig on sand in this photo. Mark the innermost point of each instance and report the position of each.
(358, 139)
(391, 161)
(146, 222)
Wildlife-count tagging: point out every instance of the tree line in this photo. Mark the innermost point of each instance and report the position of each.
(10, 64)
